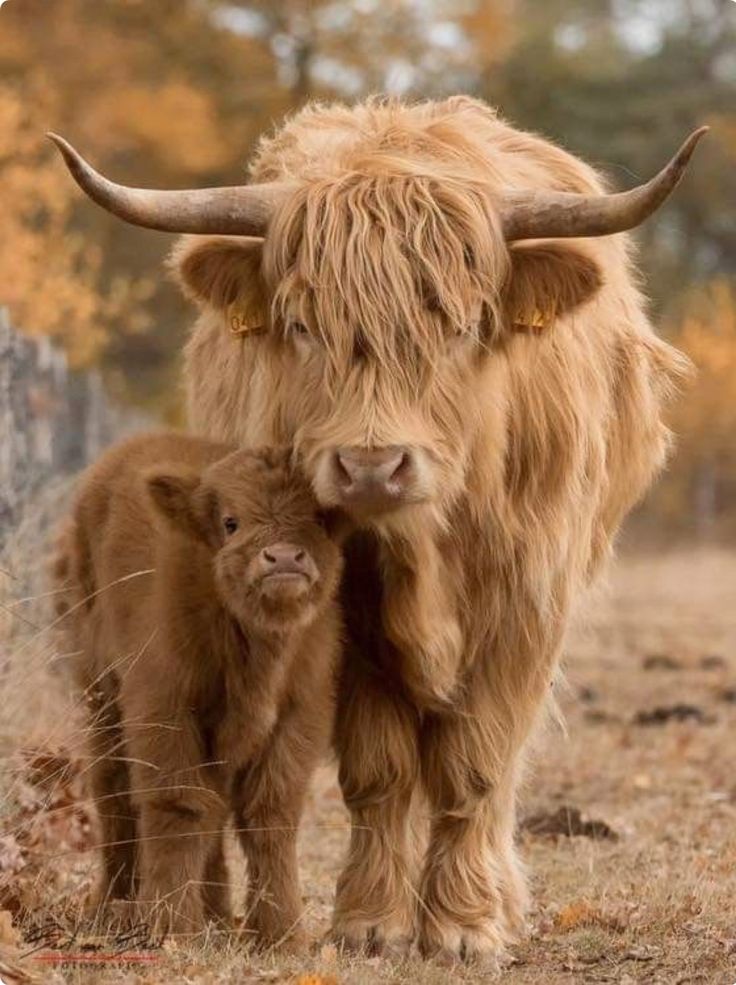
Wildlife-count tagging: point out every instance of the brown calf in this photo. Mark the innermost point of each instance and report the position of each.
(202, 585)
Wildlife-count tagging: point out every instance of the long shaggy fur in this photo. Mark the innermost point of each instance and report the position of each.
(532, 378)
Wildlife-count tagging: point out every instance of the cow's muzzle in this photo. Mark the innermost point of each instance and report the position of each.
(373, 480)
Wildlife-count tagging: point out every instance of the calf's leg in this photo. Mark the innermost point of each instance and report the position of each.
(268, 800)
(182, 815)
(110, 783)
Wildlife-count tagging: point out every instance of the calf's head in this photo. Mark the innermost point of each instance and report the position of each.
(275, 554)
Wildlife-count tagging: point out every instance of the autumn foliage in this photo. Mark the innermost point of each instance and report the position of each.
(697, 496)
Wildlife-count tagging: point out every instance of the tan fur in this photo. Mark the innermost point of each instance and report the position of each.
(532, 380)
(209, 695)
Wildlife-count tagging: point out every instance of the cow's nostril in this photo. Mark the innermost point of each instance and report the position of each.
(403, 466)
(344, 468)
(299, 556)
(267, 556)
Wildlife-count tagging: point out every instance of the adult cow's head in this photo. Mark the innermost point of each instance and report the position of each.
(384, 292)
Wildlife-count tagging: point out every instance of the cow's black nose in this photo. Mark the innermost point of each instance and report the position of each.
(373, 476)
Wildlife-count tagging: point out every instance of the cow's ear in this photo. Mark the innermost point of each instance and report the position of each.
(223, 272)
(175, 496)
(546, 281)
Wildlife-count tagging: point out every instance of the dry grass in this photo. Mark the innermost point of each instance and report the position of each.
(656, 905)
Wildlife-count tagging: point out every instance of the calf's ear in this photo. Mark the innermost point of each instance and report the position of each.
(546, 281)
(175, 495)
(224, 273)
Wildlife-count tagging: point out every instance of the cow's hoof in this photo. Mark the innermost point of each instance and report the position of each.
(387, 938)
(449, 944)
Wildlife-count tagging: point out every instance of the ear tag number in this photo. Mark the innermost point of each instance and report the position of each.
(240, 325)
(536, 323)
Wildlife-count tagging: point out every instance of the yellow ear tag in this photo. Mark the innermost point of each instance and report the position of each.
(537, 322)
(240, 324)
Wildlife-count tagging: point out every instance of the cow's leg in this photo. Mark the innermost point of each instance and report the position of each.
(473, 891)
(376, 738)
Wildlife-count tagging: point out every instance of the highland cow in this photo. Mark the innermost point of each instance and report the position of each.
(488, 409)
(200, 589)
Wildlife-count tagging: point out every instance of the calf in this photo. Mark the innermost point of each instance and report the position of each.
(200, 598)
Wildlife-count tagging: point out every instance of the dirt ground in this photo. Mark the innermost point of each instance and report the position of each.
(629, 813)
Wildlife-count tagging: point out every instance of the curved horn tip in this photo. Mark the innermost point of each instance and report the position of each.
(70, 155)
(55, 138)
(686, 151)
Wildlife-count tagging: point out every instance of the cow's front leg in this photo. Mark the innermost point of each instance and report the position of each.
(473, 892)
(376, 737)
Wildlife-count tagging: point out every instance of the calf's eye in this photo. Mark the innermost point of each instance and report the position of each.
(230, 524)
(299, 329)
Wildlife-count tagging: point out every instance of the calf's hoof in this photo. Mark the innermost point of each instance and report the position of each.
(286, 937)
(157, 919)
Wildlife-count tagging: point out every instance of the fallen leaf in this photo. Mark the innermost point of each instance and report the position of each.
(315, 980)
(328, 953)
(581, 913)
(598, 716)
(12, 972)
(11, 855)
(570, 822)
(8, 933)
(712, 662)
(667, 713)
(640, 953)
(660, 661)
(49, 771)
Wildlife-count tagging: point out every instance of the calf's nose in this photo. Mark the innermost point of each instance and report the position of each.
(379, 475)
(286, 559)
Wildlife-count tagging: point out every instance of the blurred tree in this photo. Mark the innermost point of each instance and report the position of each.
(153, 94)
(621, 82)
(699, 492)
(338, 48)
(53, 291)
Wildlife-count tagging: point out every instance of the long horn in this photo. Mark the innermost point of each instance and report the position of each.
(548, 215)
(243, 210)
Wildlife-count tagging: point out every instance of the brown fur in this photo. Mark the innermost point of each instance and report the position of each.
(531, 381)
(210, 693)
